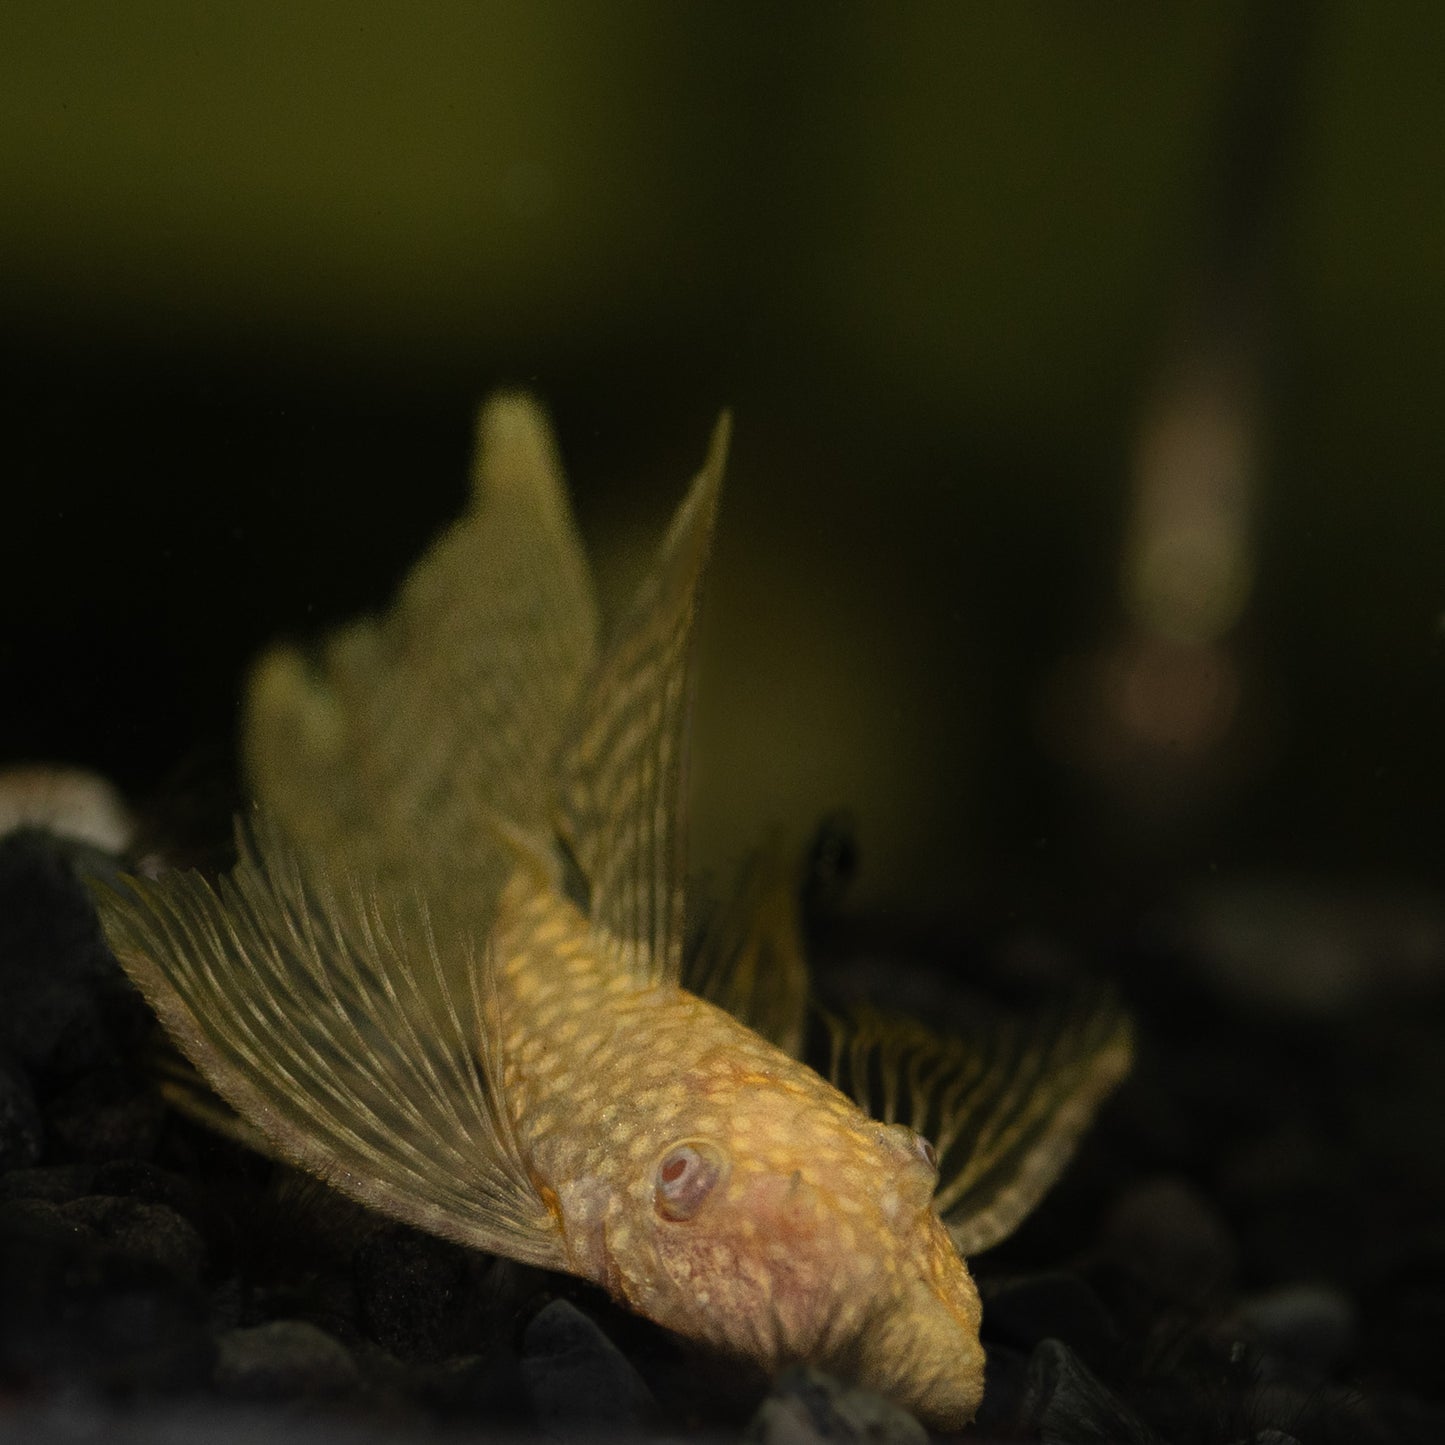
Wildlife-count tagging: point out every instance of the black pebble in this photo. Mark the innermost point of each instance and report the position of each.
(21, 1134)
(285, 1360)
(149, 1183)
(419, 1296)
(54, 965)
(54, 1183)
(808, 1407)
(1005, 1384)
(1172, 1243)
(1064, 1404)
(80, 1310)
(121, 1228)
(1308, 1325)
(580, 1383)
(110, 1113)
(138, 1230)
(488, 1387)
(1025, 1309)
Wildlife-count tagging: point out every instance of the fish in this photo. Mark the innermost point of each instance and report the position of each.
(450, 974)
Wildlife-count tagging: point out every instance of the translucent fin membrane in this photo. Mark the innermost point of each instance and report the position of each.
(326, 1020)
(751, 959)
(1004, 1107)
(411, 734)
(184, 1088)
(620, 795)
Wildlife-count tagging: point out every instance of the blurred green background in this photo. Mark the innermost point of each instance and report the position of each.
(1005, 299)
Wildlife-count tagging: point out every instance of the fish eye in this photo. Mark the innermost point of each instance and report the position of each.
(909, 1145)
(686, 1176)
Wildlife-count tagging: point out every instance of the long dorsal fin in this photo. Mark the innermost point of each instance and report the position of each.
(619, 799)
(415, 731)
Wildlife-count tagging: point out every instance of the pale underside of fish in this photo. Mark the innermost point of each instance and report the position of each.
(447, 975)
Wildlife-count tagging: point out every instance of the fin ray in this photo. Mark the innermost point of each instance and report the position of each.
(416, 731)
(620, 794)
(331, 1030)
(1004, 1107)
(751, 960)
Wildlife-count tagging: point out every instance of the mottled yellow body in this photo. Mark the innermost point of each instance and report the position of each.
(819, 1243)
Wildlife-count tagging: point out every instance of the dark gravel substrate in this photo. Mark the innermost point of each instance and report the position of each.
(1251, 1248)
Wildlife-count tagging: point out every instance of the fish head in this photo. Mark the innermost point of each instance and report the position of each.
(787, 1227)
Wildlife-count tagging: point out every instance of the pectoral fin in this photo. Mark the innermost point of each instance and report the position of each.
(185, 1089)
(325, 1018)
(1004, 1107)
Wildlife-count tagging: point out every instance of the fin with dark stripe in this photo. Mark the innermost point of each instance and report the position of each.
(620, 800)
(751, 959)
(1004, 1106)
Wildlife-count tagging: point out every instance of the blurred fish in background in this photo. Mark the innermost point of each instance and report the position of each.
(1167, 715)
(1084, 529)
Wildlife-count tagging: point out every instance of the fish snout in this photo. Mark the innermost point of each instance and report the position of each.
(921, 1347)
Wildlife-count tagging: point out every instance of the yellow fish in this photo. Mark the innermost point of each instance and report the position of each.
(447, 975)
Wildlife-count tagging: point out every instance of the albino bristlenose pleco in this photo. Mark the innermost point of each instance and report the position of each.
(448, 976)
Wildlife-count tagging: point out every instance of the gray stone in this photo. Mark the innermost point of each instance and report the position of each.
(1005, 1384)
(52, 959)
(284, 1360)
(1065, 1404)
(82, 1313)
(147, 1182)
(419, 1296)
(21, 1134)
(1306, 1324)
(122, 1228)
(141, 1231)
(73, 1418)
(1025, 1309)
(109, 1114)
(809, 1407)
(469, 1388)
(52, 1183)
(1169, 1239)
(581, 1385)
